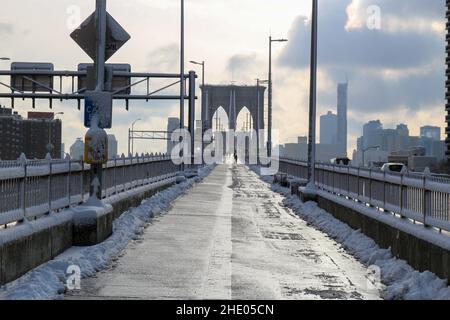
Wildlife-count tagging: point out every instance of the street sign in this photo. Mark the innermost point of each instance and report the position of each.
(21, 83)
(85, 36)
(112, 83)
(100, 103)
(96, 146)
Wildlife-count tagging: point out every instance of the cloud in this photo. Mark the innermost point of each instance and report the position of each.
(387, 68)
(244, 68)
(164, 58)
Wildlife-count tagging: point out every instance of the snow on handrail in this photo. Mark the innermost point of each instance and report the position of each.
(419, 196)
(30, 189)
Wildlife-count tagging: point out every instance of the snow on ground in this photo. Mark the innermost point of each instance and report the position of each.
(400, 279)
(48, 281)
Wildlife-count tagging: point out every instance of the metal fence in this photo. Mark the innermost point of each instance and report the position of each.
(423, 198)
(30, 189)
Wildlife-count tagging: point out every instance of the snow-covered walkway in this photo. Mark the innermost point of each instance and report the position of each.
(231, 237)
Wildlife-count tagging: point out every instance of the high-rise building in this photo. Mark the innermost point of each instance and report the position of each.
(328, 128)
(372, 134)
(172, 125)
(342, 105)
(403, 140)
(42, 134)
(11, 144)
(447, 106)
(399, 141)
(431, 132)
(112, 146)
(35, 137)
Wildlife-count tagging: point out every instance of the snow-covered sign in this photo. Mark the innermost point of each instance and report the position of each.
(96, 145)
(85, 36)
(98, 103)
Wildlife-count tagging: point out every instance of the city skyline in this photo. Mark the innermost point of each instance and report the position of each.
(376, 83)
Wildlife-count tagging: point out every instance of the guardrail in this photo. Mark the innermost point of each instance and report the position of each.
(423, 198)
(30, 189)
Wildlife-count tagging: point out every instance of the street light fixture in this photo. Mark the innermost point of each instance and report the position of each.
(364, 153)
(203, 69)
(130, 132)
(269, 126)
(5, 59)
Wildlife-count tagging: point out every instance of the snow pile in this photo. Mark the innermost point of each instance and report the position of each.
(400, 279)
(48, 280)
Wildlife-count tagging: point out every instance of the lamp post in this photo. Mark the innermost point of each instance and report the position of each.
(130, 140)
(269, 126)
(312, 100)
(182, 83)
(258, 122)
(207, 112)
(364, 153)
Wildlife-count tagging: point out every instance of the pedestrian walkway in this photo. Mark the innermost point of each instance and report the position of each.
(230, 237)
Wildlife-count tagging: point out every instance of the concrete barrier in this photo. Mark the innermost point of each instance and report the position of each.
(419, 252)
(30, 244)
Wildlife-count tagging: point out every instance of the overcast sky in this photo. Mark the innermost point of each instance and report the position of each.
(395, 73)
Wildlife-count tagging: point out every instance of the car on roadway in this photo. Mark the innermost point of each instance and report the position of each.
(394, 167)
(341, 161)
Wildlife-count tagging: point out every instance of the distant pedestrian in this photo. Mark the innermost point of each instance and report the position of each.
(235, 157)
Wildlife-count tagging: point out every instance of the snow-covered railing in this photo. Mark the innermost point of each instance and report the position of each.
(424, 198)
(30, 189)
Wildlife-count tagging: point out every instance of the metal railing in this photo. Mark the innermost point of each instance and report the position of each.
(30, 189)
(423, 198)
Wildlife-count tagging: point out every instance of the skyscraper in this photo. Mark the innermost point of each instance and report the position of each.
(342, 90)
(328, 128)
(34, 137)
(431, 132)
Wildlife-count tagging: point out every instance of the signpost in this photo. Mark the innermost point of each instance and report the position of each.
(85, 36)
(100, 36)
(98, 103)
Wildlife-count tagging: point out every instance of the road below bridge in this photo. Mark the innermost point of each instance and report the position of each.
(230, 237)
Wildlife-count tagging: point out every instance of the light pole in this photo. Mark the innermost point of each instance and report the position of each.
(269, 126)
(364, 153)
(182, 83)
(50, 146)
(258, 122)
(203, 85)
(130, 140)
(312, 100)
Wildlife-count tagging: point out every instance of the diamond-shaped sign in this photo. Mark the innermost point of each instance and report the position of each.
(85, 36)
